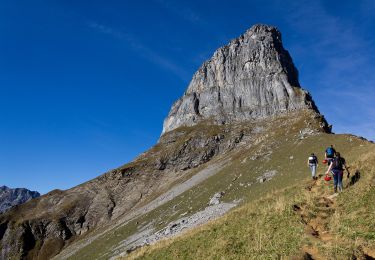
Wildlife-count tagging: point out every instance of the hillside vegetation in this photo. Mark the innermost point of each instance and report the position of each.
(280, 145)
(244, 153)
(299, 220)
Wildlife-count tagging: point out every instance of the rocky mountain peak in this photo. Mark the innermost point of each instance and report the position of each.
(259, 30)
(250, 78)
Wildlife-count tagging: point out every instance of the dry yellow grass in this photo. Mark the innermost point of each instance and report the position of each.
(239, 234)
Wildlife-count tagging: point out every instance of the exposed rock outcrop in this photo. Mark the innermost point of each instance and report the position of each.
(252, 77)
(266, 176)
(176, 227)
(12, 197)
(215, 200)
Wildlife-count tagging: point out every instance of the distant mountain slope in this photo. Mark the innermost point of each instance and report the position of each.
(12, 197)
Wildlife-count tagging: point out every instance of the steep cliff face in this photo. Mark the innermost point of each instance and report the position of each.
(12, 197)
(252, 77)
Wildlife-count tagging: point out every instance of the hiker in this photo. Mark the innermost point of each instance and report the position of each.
(329, 154)
(337, 170)
(312, 163)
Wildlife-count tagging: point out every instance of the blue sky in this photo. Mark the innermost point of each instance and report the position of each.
(85, 85)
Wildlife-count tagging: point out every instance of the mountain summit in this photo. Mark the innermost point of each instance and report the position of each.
(250, 78)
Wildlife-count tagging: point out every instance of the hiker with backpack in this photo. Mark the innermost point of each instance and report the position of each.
(312, 163)
(330, 154)
(337, 169)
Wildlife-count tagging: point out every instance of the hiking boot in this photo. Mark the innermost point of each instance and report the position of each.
(335, 190)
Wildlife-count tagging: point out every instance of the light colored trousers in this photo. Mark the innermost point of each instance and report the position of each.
(313, 169)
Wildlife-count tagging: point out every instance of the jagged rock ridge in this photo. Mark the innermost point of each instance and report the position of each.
(252, 77)
(12, 197)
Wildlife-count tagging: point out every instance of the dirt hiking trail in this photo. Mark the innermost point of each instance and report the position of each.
(317, 215)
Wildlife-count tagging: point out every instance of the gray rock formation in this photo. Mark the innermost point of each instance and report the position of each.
(252, 77)
(267, 176)
(215, 200)
(12, 197)
(146, 237)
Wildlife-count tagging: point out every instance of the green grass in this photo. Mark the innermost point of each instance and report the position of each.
(268, 228)
(241, 234)
(355, 215)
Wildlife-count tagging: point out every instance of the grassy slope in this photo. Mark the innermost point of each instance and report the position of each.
(270, 228)
(354, 220)
(195, 199)
(271, 152)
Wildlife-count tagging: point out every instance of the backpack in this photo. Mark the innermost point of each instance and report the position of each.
(313, 160)
(337, 163)
(330, 152)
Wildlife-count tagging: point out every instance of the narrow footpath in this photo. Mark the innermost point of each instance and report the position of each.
(317, 216)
